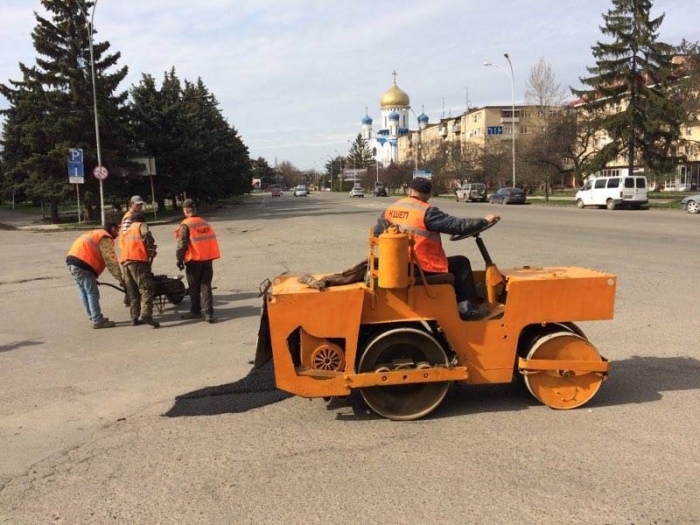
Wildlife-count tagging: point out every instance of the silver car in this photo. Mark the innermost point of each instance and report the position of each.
(357, 191)
(691, 203)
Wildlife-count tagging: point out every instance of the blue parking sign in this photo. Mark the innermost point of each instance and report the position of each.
(75, 169)
(75, 155)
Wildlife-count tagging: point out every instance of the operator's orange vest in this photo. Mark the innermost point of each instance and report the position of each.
(409, 214)
(133, 246)
(203, 244)
(87, 249)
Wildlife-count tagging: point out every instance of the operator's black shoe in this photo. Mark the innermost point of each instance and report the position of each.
(136, 322)
(150, 321)
(209, 319)
(474, 312)
(191, 315)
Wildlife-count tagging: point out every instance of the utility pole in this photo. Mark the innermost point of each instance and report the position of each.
(94, 100)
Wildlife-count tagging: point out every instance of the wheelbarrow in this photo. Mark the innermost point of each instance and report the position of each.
(167, 289)
(170, 289)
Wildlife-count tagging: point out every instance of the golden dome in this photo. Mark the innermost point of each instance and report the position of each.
(395, 97)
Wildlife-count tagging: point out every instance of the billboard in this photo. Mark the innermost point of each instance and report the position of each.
(354, 175)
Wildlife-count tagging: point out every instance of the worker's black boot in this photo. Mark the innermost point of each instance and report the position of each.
(150, 321)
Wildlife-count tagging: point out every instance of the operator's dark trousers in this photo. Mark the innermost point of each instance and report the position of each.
(460, 267)
(199, 276)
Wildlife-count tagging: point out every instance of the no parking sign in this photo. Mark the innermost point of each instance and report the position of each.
(100, 172)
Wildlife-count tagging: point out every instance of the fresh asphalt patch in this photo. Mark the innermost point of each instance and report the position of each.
(255, 390)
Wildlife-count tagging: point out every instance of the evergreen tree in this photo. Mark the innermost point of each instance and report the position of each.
(629, 82)
(51, 108)
(332, 176)
(263, 171)
(360, 155)
(196, 150)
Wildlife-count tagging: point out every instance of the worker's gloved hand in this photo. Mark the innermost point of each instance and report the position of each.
(122, 284)
(180, 265)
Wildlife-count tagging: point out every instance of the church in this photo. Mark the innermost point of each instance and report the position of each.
(395, 105)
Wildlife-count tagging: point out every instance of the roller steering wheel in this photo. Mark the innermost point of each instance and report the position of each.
(460, 236)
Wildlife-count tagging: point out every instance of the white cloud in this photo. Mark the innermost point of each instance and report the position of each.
(294, 76)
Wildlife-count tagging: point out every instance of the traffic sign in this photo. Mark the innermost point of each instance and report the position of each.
(75, 169)
(494, 130)
(426, 174)
(75, 155)
(100, 172)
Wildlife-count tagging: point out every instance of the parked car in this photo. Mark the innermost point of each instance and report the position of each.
(301, 191)
(691, 203)
(508, 196)
(380, 192)
(276, 192)
(471, 191)
(357, 191)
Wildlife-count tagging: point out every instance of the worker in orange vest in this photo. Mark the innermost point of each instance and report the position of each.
(87, 258)
(426, 223)
(196, 250)
(135, 208)
(137, 252)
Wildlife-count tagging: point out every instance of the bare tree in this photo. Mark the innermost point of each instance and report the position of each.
(289, 175)
(543, 92)
(542, 89)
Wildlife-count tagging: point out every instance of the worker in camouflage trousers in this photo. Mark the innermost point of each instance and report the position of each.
(138, 251)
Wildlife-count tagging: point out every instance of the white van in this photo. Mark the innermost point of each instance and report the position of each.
(613, 192)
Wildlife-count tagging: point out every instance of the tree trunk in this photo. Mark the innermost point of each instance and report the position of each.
(89, 212)
(53, 206)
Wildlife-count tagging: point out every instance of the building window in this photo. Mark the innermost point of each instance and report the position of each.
(524, 130)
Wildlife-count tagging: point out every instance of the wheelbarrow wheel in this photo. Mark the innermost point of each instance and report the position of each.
(177, 293)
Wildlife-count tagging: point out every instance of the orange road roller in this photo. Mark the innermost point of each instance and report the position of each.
(395, 335)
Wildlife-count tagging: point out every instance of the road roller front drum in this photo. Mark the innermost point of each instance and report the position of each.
(574, 383)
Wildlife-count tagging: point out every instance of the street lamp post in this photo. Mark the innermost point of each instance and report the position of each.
(512, 105)
(94, 100)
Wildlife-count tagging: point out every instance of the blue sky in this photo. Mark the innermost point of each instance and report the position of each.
(294, 76)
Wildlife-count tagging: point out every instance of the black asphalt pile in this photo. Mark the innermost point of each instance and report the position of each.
(255, 390)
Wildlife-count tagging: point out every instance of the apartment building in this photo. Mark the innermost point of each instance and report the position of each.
(476, 126)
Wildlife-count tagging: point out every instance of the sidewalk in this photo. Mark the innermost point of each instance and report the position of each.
(18, 220)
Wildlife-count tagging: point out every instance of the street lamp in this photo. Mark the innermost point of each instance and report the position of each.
(512, 104)
(94, 100)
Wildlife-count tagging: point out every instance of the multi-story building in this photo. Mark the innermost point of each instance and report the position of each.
(483, 126)
(685, 176)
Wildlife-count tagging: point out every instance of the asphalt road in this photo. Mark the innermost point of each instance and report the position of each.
(135, 425)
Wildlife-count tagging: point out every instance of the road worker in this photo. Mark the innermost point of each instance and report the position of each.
(196, 250)
(86, 260)
(138, 249)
